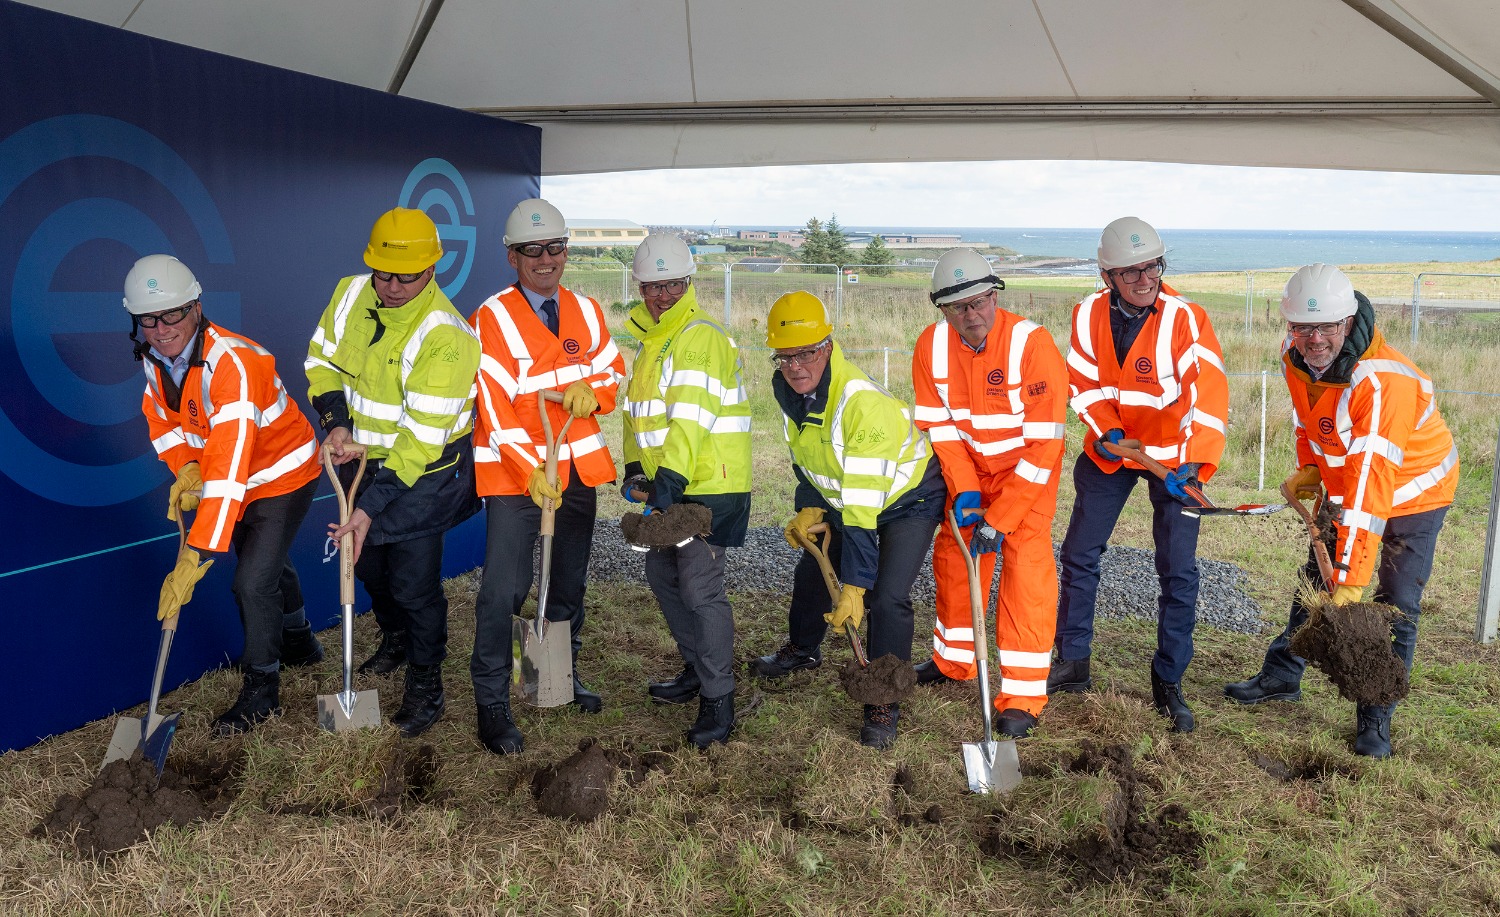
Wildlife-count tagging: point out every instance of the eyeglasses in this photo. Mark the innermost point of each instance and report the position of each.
(1132, 274)
(535, 249)
(956, 309)
(169, 317)
(387, 277)
(1326, 329)
(671, 287)
(800, 358)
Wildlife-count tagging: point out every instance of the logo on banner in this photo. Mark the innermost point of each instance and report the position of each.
(435, 187)
(61, 293)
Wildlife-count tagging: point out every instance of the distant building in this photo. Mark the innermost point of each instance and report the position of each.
(590, 233)
(754, 235)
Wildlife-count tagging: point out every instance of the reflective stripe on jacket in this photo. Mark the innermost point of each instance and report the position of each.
(1169, 392)
(995, 414)
(236, 421)
(1381, 445)
(520, 358)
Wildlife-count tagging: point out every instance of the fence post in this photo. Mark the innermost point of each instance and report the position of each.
(1416, 306)
(624, 282)
(838, 296)
(1489, 583)
(1249, 297)
(728, 273)
(885, 369)
(1260, 482)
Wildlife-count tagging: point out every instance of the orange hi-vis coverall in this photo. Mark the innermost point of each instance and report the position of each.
(1380, 444)
(520, 358)
(996, 420)
(1169, 391)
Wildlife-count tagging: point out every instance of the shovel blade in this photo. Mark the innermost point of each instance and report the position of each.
(127, 740)
(545, 665)
(158, 741)
(992, 767)
(346, 712)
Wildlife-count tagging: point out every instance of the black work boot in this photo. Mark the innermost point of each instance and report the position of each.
(790, 658)
(879, 729)
(1014, 724)
(299, 647)
(1373, 738)
(1262, 687)
(928, 673)
(715, 721)
(1069, 675)
(388, 657)
(260, 697)
(1169, 702)
(497, 731)
(678, 690)
(422, 702)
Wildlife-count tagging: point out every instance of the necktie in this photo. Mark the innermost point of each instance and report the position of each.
(549, 313)
(808, 400)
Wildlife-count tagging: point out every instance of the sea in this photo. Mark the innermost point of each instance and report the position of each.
(1191, 250)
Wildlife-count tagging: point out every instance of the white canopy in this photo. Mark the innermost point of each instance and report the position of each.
(646, 84)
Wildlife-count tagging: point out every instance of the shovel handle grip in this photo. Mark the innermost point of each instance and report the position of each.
(346, 508)
(549, 510)
(1320, 550)
(811, 545)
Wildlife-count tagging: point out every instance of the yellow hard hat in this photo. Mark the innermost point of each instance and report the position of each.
(797, 320)
(403, 241)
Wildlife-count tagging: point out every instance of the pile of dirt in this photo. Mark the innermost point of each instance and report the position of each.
(125, 803)
(578, 787)
(1104, 828)
(904, 790)
(1351, 644)
(680, 522)
(888, 680)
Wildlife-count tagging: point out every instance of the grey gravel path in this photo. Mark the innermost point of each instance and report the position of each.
(1127, 587)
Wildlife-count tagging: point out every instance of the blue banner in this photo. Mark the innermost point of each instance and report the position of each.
(265, 183)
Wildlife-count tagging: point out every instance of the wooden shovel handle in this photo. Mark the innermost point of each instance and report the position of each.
(1131, 449)
(1320, 550)
(976, 598)
(831, 580)
(549, 510)
(346, 508)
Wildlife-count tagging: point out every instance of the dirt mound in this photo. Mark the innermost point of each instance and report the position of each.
(1103, 827)
(578, 787)
(1351, 644)
(888, 680)
(125, 803)
(666, 529)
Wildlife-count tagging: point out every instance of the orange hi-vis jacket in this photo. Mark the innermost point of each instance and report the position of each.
(235, 420)
(1380, 444)
(519, 358)
(1169, 391)
(998, 414)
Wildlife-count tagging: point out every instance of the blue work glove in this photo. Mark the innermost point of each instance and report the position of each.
(985, 540)
(966, 507)
(1111, 436)
(1182, 484)
(635, 482)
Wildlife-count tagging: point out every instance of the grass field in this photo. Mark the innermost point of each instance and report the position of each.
(794, 817)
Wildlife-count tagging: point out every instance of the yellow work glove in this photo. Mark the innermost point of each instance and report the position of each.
(1348, 595)
(804, 520)
(851, 607)
(1303, 483)
(185, 491)
(579, 400)
(177, 588)
(541, 490)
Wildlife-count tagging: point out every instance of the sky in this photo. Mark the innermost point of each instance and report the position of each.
(1048, 194)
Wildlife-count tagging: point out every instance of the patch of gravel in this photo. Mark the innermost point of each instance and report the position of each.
(1127, 582)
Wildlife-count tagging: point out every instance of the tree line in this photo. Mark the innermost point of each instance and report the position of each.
(826, 243)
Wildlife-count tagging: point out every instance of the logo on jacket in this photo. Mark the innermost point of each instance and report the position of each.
(1143, 365)
(570, 346)
(192, 409)
(996, 377)
(1325, 426)
(1036, 389)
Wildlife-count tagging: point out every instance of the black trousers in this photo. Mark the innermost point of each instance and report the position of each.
(513, 523)
(265, 582)
(405, 582)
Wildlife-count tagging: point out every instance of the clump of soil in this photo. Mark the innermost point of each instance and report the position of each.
(1351, 644)
(680, 522)
(888, 680)
(1104, 828)
(578, 787)
(125, 803)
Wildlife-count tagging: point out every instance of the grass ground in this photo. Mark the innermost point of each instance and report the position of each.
(794, 817)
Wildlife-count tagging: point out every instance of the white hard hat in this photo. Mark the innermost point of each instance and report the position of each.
(157, 283)
(662, 256)
(1318, 293)
(1127, 241)
(961, 273)
(534, 220)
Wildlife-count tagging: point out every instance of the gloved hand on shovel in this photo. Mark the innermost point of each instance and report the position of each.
(1303, 483)
(967, 508)
(1110, 437)
(850, 607)
(1183, 484)
(985, 540)
(541, 489)
(1348, 595)
(632, 483)
(796, 530)
(185, 491)
(177, 588)
(579, 399)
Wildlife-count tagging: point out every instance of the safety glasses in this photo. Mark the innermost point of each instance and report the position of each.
(387, 276)
(1152, 271)
(670, 287)
(800, 358)
(169, 317)
(535, 249)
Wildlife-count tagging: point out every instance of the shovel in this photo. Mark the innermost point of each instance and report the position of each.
(991, 766)
(811, 546)
(349, 709)
(1199, 504)
(546, 656)
(152, 736)
(1320, 550)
